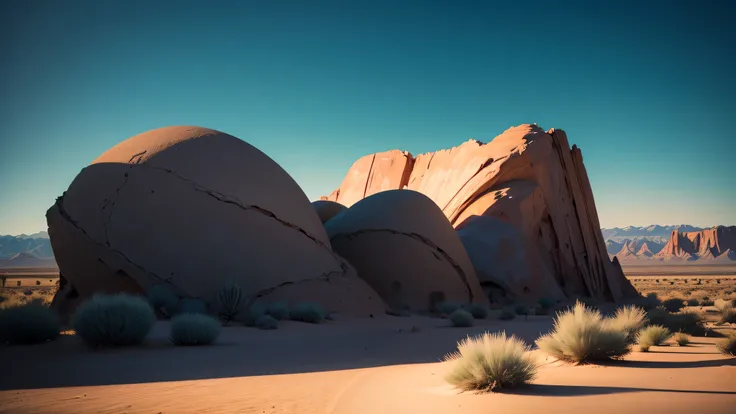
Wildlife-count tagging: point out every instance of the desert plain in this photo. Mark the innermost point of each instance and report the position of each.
(384, 364)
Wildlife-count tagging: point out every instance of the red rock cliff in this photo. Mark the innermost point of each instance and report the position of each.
(717, 243)
(526, 177)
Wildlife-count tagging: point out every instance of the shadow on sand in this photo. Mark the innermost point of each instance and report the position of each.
(543, 390)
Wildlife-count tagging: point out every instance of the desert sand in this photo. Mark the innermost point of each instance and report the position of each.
(349, 365)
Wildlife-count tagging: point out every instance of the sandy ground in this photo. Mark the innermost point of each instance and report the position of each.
(349, 366)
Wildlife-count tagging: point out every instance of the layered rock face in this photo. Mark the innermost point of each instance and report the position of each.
(193, 209)
(404, 247)
(717, 243)
(527, 178)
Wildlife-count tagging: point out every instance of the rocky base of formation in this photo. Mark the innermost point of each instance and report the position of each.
(195, 209)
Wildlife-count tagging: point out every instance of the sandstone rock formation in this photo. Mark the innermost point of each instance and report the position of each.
(717, 243)
(327, 209)
(406, 249)
(194, 208)
(526, 177)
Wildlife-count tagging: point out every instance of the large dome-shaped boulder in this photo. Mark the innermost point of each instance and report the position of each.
(327, 209)
(402, 244)
(193, 209)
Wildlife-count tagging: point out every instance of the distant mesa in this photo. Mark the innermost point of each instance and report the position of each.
(37, 245)
(526, 177)
(714, 244)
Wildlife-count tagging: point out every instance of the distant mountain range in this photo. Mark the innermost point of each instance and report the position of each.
(672, 244)
(26, 250)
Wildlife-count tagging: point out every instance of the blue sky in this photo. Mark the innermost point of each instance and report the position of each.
(647, 92)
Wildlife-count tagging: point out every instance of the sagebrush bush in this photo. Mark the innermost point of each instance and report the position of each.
(728, 315)
(194, 329)
(191, 305)
(692, 302)
(113, 320)
(278, 311)
(229, 300)
(689, 322)
(506, 315)
(629, 320)
(673, 304)
(29, 323)
(681, 338)
(654, 335)
(307, 312)
(490, 362)
(162, 299)
(581, 335)
(447, 308)
(267, 322)
(461, 318)
(727, 346)
(478, 311)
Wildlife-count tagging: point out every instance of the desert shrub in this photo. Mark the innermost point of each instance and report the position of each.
(629, 320)
(162, 299)
(191, 305)
(681, 338)
(692, 302)
(251, 315)
(673, 304)
(30, 323)
(654, 335)
(580, 335)
(727, 346)
(689, 322)
(478, 311)
(489, 362)
(193, 329)
(722, 305)
(307, 312)
(113, 320)
(278, 311)
(650, 301)
(229, 299)
(461, 318)
(506, 315)
(447, 308)
(267, 322)
(728, 315)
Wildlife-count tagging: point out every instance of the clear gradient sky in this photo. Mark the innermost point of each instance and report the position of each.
(647, 92)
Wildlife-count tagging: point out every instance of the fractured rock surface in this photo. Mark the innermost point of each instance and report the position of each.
(405, 248)
(526, 177)
(194, 208)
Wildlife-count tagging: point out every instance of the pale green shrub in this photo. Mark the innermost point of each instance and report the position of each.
(461, 318)
(490, 362)
(307, 312)
(113, 320)
(194, 329)
(629, 320)
(654, 335)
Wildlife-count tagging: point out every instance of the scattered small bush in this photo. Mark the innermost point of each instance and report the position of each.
(447, 308)
(689, 322)
(229, 300)
(693, 302)
(252, 314)
(113, 320)
(506, 315)
(461, 318)
(308, 312)
(580, 335)
(162, 299)
(191, 305)
(267, 322)
(682, 338)
(278, 311)
(673, 304)
(194, 329)
(728, 315)
(654, 335)
(489, 362)
(478, 311)
(521, 309)
(727, 346)
(30, 323)
(629, 320)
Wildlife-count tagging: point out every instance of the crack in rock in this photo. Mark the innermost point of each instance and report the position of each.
(224, 198)
(422, 239)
